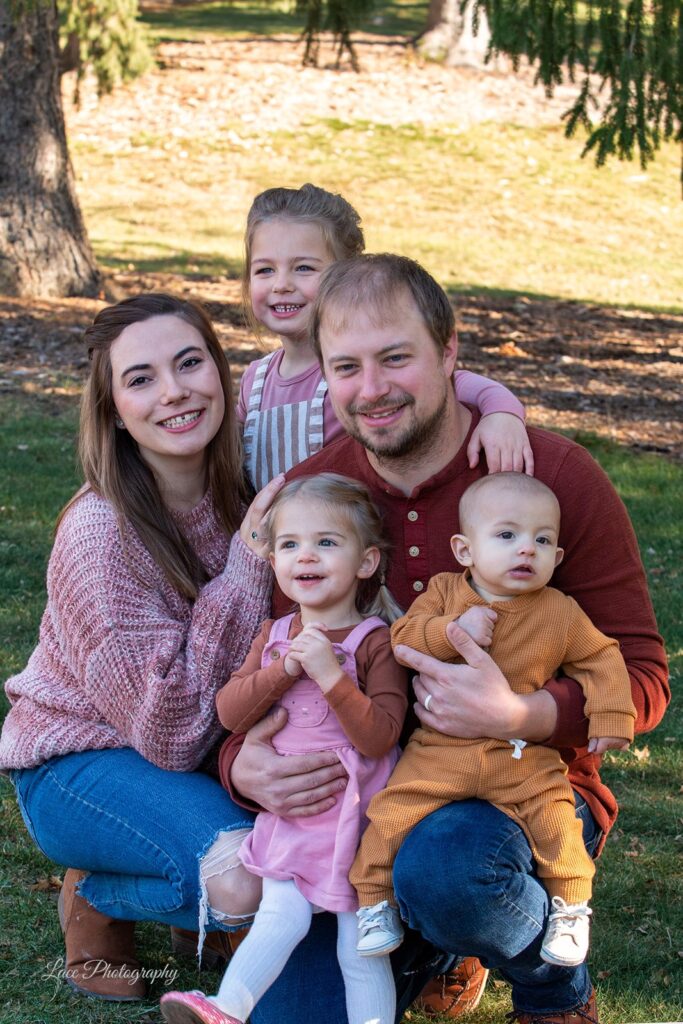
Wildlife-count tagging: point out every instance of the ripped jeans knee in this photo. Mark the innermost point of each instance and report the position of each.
(229, 893)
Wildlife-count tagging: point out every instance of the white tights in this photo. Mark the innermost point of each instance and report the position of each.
(282, 921)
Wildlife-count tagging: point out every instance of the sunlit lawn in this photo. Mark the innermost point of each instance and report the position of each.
(240, 18)
(495, 207)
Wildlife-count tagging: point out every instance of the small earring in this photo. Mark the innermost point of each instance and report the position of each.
(118, 423)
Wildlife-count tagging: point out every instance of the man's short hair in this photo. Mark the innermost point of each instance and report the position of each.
(374, 283)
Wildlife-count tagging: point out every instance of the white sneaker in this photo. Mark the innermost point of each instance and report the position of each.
(379, 929)
(566, 937)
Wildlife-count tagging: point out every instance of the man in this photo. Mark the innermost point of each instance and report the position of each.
(464, 878)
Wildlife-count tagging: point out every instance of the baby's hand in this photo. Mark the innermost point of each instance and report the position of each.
(598, 745)
(313, 651)
(505, 441)
(478, 622)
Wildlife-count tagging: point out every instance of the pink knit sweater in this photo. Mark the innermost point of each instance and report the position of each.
(123, 660)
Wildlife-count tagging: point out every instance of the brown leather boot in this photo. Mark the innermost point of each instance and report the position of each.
(456, 993)
(100, 951)
(218, 946)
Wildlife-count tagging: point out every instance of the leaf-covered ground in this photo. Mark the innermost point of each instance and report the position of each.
(616, 373)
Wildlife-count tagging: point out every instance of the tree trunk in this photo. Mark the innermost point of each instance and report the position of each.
(44, 249)
(449, 35)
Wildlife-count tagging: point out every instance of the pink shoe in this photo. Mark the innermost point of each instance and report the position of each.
(193, 1008)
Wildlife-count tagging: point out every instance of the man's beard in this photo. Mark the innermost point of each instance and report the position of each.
(418, 438)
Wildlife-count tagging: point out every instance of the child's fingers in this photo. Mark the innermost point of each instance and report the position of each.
(601, 744)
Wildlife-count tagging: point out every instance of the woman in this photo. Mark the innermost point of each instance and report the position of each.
(155, 592)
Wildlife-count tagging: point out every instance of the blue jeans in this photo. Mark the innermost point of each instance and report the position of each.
(139, 829)
(465, 883)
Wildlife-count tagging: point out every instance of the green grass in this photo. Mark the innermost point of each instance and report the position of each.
(497, 207)
(245, 18)
(638, 930)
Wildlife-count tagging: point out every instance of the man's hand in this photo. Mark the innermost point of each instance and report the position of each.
(599, 744)
(474, 700)
(293, 787)
(478, 622)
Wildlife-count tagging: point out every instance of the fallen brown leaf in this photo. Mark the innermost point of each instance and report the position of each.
(50, 884)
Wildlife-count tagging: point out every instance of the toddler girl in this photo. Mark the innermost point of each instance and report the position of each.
(292, 235)
(330, 665)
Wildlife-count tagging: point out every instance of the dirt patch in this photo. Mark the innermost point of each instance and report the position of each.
(616, 373)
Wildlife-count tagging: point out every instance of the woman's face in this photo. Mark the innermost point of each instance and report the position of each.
(167, 391)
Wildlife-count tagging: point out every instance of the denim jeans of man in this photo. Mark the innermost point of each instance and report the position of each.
(465, 883)
(139, 829)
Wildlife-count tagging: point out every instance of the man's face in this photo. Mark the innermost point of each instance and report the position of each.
(389, 383)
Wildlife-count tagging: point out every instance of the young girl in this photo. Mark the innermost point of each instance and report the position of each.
(330, 665)
(292, 235)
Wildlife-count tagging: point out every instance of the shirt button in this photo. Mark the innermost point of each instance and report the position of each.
(418, 585)
(414, 552)
(412, 516)
(275, 655)
(341, 659)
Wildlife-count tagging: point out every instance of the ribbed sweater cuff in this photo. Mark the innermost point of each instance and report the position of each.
(611, 724)
(251, 572)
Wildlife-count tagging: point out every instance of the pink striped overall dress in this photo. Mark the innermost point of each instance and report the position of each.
(277, 439)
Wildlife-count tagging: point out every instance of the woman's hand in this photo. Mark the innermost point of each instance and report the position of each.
(297, 786)
(252, 530)
(505, 441)
(474, 700)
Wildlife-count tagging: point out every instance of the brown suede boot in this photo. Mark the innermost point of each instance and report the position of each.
(217, 950)
(100, 951)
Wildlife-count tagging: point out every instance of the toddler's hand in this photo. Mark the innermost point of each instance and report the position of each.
(478, 622)
(505, 441)
(292, 666)
(598, 745)
(313, 651)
